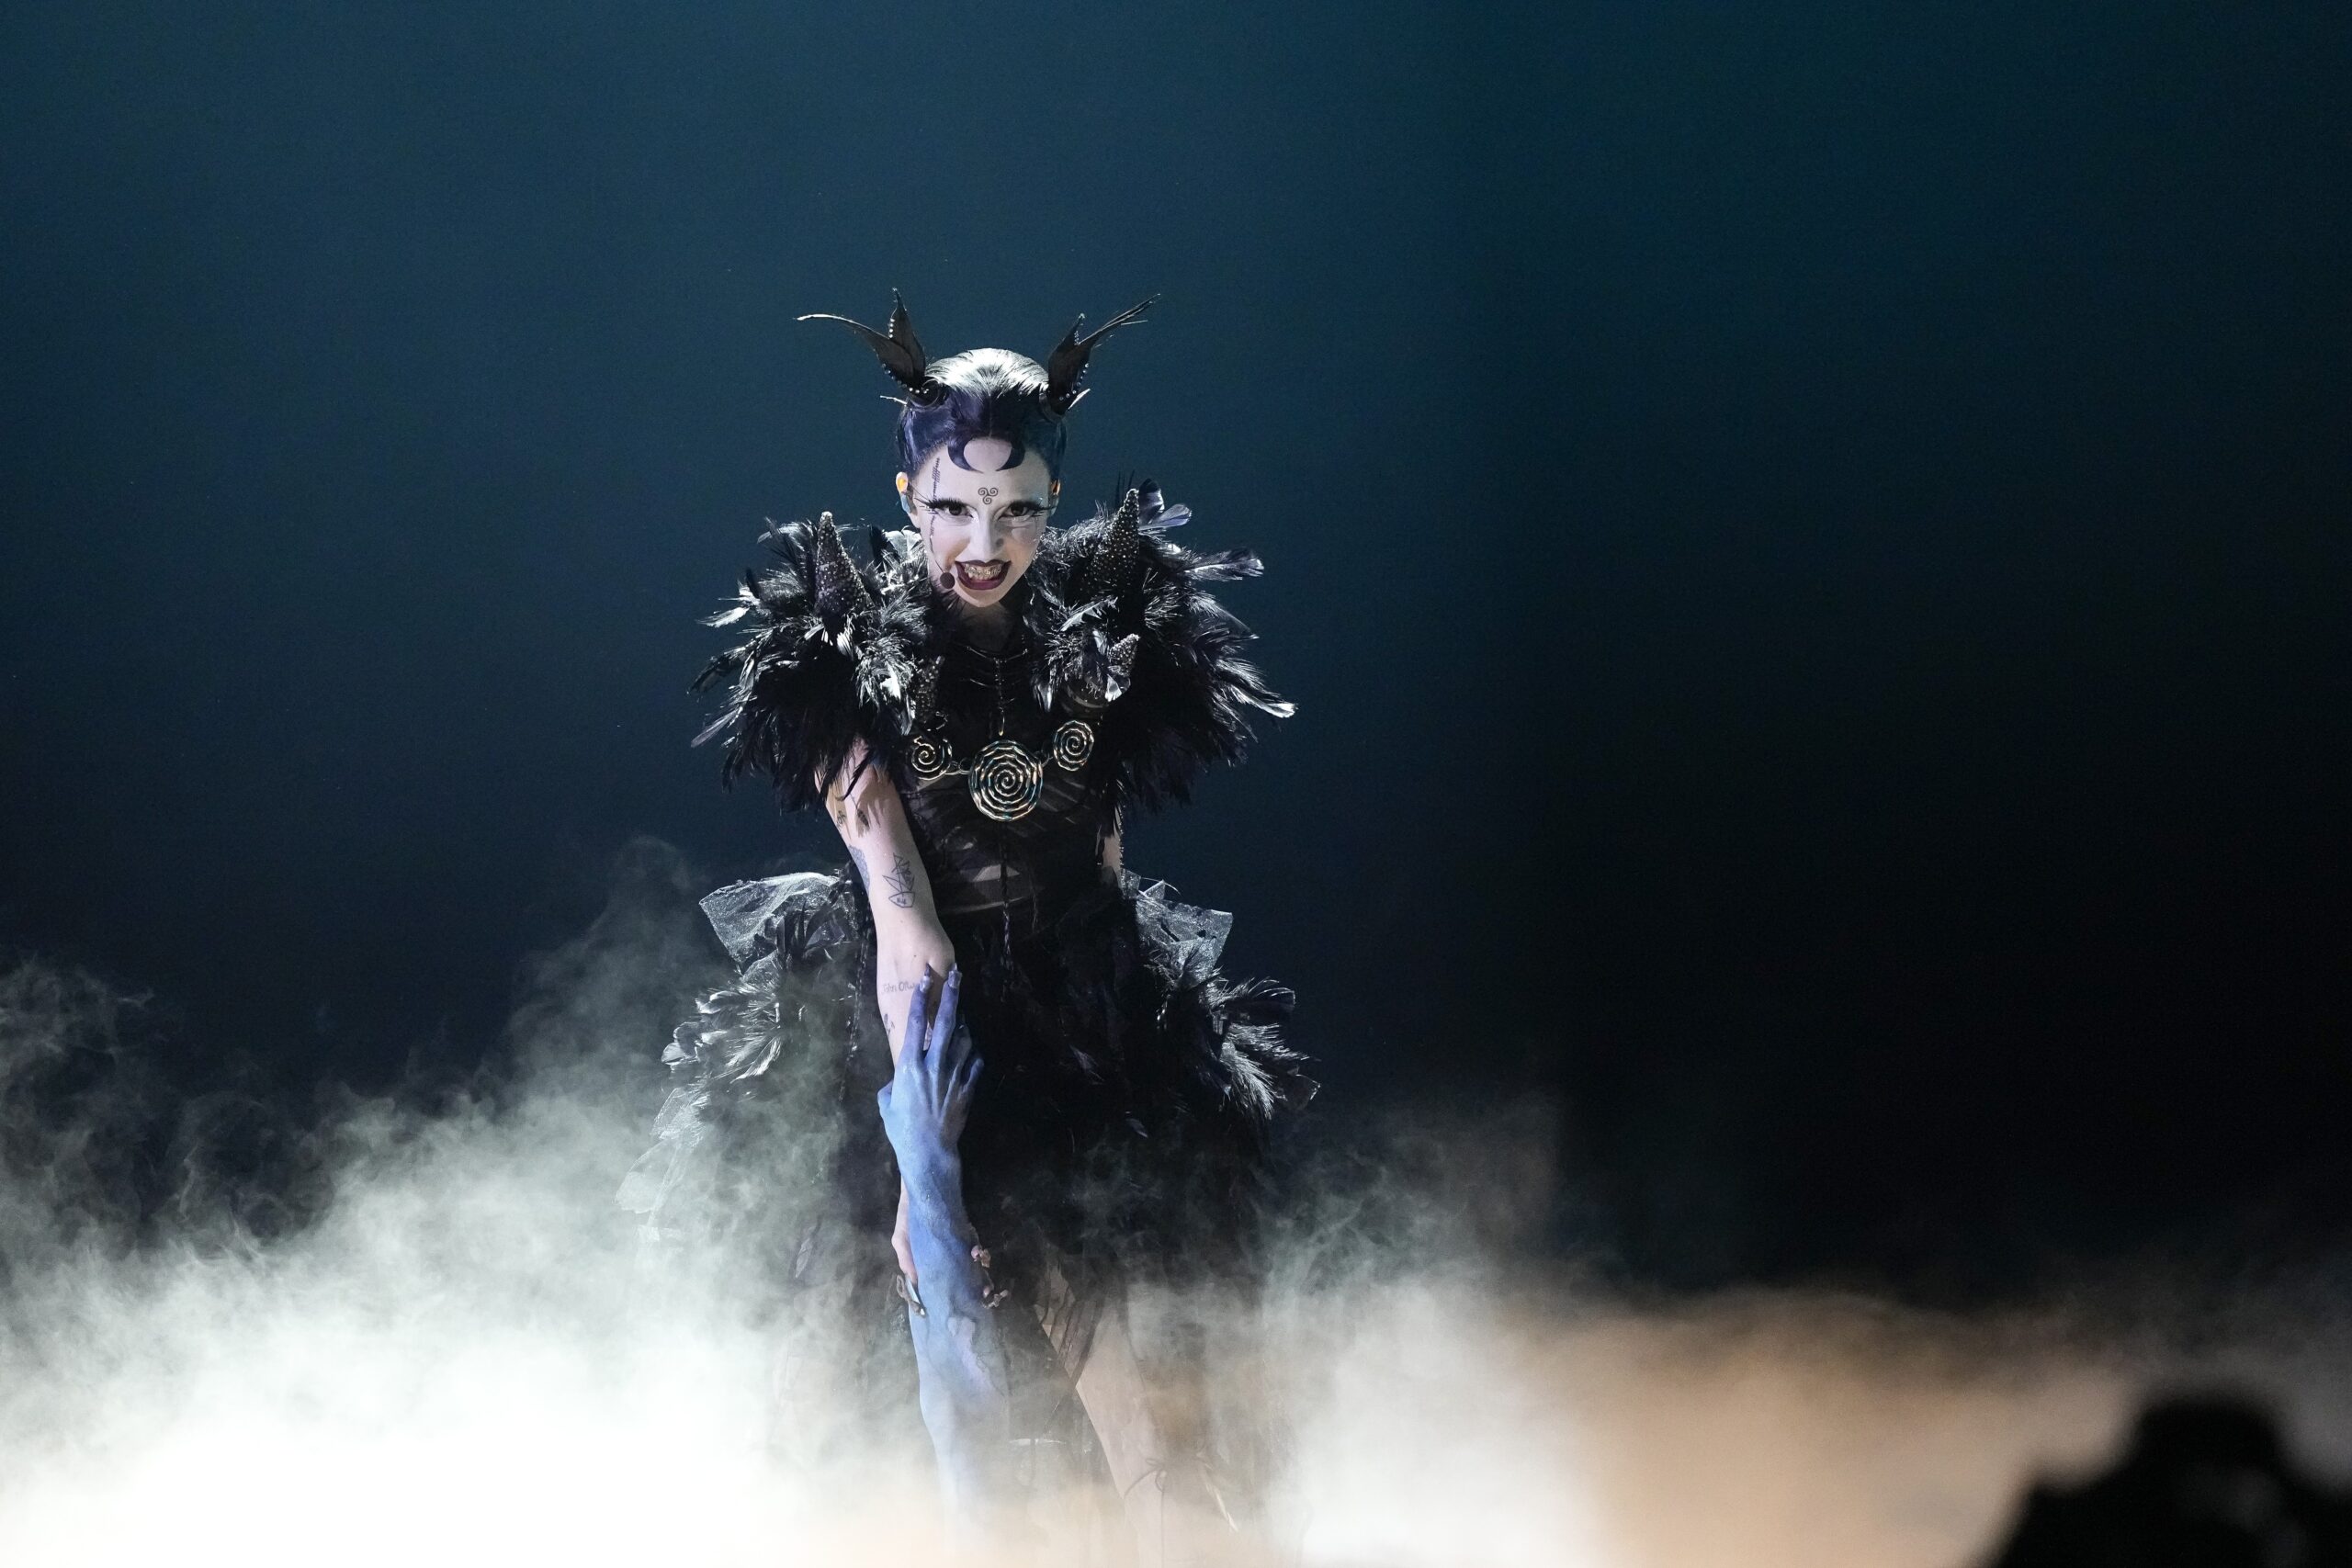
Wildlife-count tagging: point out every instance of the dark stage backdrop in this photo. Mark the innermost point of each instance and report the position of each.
(1810, 541)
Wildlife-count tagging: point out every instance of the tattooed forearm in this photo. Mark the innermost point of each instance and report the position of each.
(901, 881)
(891, 996)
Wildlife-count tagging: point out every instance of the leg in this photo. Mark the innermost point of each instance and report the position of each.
(1140, 1420)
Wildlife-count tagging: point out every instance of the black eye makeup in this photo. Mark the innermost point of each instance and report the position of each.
(948, 506)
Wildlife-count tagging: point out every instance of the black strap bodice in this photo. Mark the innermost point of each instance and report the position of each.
(996, 826)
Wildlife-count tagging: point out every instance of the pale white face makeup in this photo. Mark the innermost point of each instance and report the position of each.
(980, 524)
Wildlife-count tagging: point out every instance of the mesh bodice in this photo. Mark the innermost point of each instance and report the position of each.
(976, 860)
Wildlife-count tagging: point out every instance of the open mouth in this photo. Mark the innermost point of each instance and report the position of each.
(981, 576)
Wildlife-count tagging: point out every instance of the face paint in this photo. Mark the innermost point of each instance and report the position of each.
(980, 524)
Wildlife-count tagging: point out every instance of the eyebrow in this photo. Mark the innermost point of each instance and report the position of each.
(935, 499)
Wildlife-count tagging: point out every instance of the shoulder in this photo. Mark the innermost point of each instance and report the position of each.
(1120, 565)
(898, 564)
(813, 561)
(826, 660)
(1135, 637)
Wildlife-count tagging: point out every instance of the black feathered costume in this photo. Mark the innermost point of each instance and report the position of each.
(1120, 1123)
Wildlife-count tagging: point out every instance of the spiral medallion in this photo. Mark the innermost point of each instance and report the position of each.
(1073, 743)
(928, 758)
(1005, 780)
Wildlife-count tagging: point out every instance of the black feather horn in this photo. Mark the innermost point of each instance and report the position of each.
(1110, 569)
(840, 590)
(901, 354)
(1065, 366)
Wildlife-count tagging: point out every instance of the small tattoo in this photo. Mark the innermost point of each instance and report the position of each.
(891, 1023)
(989, 492)
(901, 880)
(857, 857)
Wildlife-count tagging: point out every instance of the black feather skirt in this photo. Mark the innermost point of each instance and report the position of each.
(1118, 1130)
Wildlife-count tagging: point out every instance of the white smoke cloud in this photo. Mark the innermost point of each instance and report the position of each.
(457, 1360)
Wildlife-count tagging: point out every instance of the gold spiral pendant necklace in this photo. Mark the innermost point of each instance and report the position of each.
(1004, 776)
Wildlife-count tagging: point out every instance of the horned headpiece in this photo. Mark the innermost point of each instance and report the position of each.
(901, 355)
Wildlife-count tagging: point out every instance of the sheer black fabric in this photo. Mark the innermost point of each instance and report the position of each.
(977, 861)
(1130, 1086)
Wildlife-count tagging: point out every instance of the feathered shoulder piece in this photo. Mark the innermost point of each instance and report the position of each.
(831, 654)
(1135, 644)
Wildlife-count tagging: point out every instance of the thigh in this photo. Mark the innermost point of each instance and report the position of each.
(1145, 1419)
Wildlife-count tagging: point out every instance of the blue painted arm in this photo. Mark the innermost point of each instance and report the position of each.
(960, 1354)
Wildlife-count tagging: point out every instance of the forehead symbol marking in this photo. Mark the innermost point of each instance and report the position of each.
(989, 493)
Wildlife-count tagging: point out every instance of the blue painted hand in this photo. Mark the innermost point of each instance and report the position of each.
(929, 1098)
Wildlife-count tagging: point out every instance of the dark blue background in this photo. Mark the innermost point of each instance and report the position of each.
(1810, 541)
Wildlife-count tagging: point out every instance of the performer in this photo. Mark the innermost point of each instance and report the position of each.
(978, 706)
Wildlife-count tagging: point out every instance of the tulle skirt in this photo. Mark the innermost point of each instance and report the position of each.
(1118, 1131)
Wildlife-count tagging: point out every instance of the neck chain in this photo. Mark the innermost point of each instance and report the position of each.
(996, 678)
